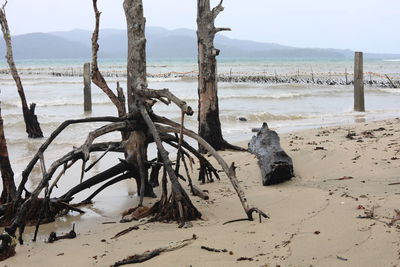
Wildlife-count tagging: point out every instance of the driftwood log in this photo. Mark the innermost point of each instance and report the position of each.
(276, 166)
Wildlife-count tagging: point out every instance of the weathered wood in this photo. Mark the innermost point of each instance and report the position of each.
(125, 231)
(117, 179)
(9, 192)
(276, 166)
(32, 125)
(53, 236)
(139, 258)
(199, 193)
(82, 152)
(7, 247)
(179, 196)
(137, 143)
(229, 171)
(87, 89)
(209, 123)
(97, 77)
(358, 82)
(136, 69)
(390, 81)
(98, 178)
(45, 145)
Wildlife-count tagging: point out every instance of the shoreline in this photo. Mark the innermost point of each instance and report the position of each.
(313, 216)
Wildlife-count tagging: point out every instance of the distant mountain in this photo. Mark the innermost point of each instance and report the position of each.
(161, 44)
(45, 46)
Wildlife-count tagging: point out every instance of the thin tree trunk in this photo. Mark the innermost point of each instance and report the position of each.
(32, 125)
(209, 123)
(7, 174)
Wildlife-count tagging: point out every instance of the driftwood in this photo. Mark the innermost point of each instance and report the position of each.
(213, 249)
(139, 258)
(53, 236)
(124, 232)
(276, 166)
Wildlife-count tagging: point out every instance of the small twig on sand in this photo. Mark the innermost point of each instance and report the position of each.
(123, 232)
(213, 249)
(396, 217)
(138, 258)
(244, 259)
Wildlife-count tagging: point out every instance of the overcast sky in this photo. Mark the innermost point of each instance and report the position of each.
(364, 25)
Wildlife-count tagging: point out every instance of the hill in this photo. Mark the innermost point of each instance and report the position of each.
(161, 44)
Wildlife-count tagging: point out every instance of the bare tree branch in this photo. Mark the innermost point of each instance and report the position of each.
(45, 145)
(165, 93)
(32, 125)
(97, 77)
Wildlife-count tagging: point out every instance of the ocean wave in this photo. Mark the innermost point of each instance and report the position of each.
(250, 97)
(260, 117)
(164, 79)
(389, 90)
(55, 103)
(269, 96)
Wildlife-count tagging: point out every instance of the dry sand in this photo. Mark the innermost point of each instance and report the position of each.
(313, 217)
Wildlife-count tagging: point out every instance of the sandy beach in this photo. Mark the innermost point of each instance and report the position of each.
(341, 173)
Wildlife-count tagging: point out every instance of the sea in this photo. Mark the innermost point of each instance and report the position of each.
(56, 86)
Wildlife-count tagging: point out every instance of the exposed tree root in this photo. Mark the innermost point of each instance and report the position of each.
(7, 247)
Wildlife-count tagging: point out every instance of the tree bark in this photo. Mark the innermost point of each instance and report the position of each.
(7, 174)
(136, 69)
(32, 125)
(97, 77)
(136, 148)
(208, 117)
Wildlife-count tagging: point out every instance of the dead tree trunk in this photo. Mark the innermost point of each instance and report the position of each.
(136, 148)
(208, 117)
(7, 174)
(143, 127)
(32, 125)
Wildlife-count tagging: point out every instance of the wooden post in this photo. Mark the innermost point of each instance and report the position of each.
(312, 75)
(345, 74)
(358, 82)
(390, 81)
(87, 91)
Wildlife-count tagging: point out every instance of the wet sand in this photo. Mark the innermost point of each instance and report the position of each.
(314, 217)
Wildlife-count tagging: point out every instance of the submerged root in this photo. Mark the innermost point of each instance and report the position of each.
(55, 209)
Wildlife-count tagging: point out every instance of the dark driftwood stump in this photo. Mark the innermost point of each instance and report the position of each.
(276, 166)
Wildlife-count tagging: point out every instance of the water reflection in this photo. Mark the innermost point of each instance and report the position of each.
(359, 118)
